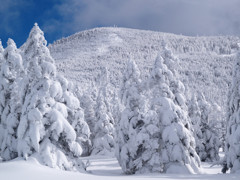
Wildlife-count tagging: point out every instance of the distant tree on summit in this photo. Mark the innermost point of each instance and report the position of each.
(1, 53)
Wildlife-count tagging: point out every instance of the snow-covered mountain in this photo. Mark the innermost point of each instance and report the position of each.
(206, 62)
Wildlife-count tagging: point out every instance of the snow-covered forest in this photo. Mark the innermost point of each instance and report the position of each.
(166, 106)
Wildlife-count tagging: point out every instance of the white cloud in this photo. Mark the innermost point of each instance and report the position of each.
(189, 17)
(10, 14)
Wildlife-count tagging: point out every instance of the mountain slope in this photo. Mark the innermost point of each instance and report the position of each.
(206, 62)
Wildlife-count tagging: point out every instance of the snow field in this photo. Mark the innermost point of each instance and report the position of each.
(101, 168)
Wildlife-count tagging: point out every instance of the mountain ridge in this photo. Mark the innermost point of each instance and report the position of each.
(205, 61)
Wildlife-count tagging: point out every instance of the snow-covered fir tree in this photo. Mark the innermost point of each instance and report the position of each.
(194, 113)
(44, 129)
(75, 114)
(218, 122)
(154, 131)
(205, 133)
(209, 150)
(88, 104)
(10, 75)
(169, 59)
(232, 148)
(103, 140)
(127, 149)
(176, 143)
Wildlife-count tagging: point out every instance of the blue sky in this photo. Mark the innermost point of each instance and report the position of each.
(60, 18)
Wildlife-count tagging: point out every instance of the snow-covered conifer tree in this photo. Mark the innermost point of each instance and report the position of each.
(75, 114)
(208, 149)
(176, 143)
(218, 122)
(232, 149)
(88, 104)
(44, 129)
(103, 142)
(195, 117)
(169, 59)
(126, 146)
(207, 139)
(10, 75)
(154, 129)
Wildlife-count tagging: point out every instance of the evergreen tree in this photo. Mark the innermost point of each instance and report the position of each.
(130, 120)
(218, 123)
(75, 114)
(154, 131)
(232, 148)
(103, 141)
(206, 136)
(210, 141)
(169, 59)
(176, 143)
(44, 129)
(88, 104)
(195, 117)
(10, 75)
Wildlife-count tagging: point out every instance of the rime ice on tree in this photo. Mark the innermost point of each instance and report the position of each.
(10, 106)
(154, 132)
(207, 139)
(130, 123)
(103, 140)
(177, 145)
(232, 149)
(44, 129)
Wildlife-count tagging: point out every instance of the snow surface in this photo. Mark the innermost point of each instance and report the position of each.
(101, 168)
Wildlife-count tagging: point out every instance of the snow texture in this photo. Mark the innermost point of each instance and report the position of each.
(100, 168)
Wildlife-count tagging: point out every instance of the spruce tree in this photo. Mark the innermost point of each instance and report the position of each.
(232, 148)
(130, 123)
(206, 136)
(103, 141)
(45, 129)
(88, 104)
(75, 114)
(195, 117)
(154, 132)
(209, 150)
(176, 143)
(10, 75)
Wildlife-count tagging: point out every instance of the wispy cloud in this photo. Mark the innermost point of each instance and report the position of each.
(189, 17)
(10, 14)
